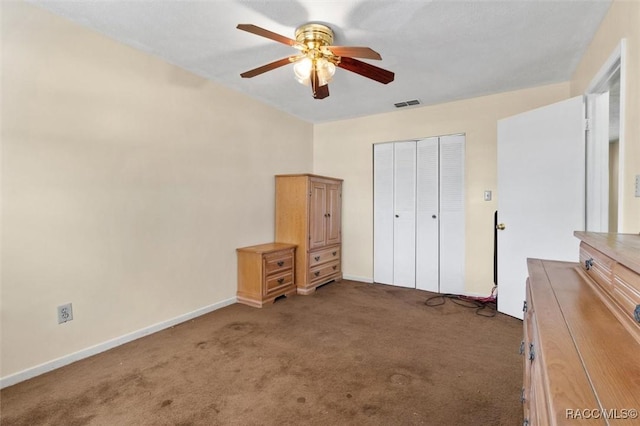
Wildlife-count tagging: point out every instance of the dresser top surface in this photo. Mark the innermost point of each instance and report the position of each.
(624, 248)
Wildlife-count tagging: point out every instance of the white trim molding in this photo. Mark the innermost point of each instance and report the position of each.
(109, 344)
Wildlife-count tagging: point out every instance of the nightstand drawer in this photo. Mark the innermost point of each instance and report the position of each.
(278, 262)
(274, 283)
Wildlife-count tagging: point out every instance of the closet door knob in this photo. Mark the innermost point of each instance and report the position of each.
(397, 215)
(434, 216)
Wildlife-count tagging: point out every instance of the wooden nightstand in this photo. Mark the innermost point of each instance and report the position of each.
(265, 272)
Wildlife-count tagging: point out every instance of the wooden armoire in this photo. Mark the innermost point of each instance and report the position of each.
(308, 214)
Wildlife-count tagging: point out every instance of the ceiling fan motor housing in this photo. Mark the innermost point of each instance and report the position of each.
(314, 35)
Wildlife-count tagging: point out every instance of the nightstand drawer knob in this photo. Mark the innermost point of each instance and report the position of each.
(335, 267)
(334, 253)
(317, 258)
(316, 273)
(280, 263)
(280, 280)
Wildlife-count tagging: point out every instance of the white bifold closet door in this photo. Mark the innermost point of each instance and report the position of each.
(419, 214)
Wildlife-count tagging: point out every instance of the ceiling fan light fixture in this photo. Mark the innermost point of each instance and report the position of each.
(304, 67)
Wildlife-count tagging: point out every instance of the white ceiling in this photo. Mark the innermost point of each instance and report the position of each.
(440, 50)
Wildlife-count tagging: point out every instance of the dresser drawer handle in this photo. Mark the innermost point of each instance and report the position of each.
(280, 280)
(335, 267)
(588, 264)
(334, 253)
(317, 258)
(280, 263)
(316, 273)
(532, 352)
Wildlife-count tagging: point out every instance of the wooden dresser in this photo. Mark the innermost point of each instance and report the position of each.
(265, 272)
(308, 214)
(581, 343)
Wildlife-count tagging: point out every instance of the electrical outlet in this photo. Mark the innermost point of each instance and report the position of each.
(65, 313)
(637, 185)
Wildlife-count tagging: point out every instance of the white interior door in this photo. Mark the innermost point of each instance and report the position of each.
(452, 214)
(541, 193)
(404, 228)
(383, 213)
(427, 216)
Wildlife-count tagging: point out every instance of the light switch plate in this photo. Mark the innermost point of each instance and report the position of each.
(487, 195)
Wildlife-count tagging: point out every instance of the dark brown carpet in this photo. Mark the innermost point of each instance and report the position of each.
(352, 353)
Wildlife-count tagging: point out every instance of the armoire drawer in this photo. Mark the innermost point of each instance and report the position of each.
(321, 272)
(325, 255)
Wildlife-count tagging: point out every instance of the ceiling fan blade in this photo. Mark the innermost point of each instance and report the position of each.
(354, 52)
(254, 29)
(319, 92)
(366, 70)
(268, 67)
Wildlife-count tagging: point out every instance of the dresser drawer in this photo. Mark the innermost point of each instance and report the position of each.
(278, 262)
(627, 290)
(598, 266)
(322, 272)
(322, 256)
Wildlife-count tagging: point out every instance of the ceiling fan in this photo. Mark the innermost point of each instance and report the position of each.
(318, 58)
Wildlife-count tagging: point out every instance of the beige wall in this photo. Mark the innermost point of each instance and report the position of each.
(622, 21)
(127, 184)
(344, 149)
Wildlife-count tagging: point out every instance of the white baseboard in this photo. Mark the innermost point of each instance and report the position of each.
(356, 278)
(109, 344)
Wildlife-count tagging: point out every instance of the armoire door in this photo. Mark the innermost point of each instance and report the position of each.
(334, 198)
(317, 212)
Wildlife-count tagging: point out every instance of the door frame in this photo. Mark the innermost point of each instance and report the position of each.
(597, 152)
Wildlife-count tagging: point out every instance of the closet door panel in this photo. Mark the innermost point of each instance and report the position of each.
(383, 213)
(427, 215)
(404, 229)
(452, 215)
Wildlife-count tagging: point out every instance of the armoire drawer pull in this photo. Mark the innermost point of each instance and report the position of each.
(280, 263)
(317, 258)
(316, 273)
(280, 280)
(334, 253)
(335, 267)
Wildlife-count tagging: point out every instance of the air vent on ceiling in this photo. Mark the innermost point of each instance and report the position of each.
(407, 103)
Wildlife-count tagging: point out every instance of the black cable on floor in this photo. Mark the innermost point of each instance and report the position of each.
(481, 306)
